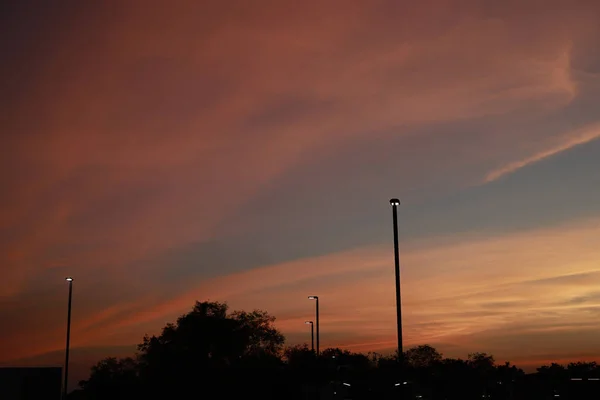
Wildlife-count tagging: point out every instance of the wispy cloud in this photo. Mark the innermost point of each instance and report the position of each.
(567, 142)
(171, 123)
(476, 286)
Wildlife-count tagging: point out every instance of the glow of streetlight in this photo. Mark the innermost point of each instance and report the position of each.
(69, 279)
(313, 297)
(308, 322)
(395, 202)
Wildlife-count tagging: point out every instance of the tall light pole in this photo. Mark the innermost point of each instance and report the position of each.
(70, 280)
(395, 203)
(312, 334)
(316, 299)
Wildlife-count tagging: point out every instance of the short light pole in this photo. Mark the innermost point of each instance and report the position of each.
(70, 280)
(316, 299)
(312, 335)
(395, 203)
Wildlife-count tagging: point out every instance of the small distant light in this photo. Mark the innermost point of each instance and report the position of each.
(346, 384)
(576, 379)
(69, 279)
(405, 383)
(419, 396)
(332, 356)
(397, 384)
(594, 379)
(557, 395)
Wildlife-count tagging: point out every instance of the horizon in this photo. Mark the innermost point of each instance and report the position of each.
(166, 153)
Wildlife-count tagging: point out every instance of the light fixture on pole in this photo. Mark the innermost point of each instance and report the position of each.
(395, 203)
(312, 335)
(316, 299)
(70, 280)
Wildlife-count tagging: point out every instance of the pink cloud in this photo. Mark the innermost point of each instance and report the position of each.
(175, 117)
(567, 142)
(476, 286)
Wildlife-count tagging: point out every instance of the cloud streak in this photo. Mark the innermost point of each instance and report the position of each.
(541, 281)
(241, 152)
(567, 142)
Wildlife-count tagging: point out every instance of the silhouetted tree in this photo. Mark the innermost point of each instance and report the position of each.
(387, 362)
(551, 379)
(481, 361)
(299, 356)
(263, 338)
(112, 378)
(508, 372)
(206, 349)
(483, 371)
(507, 377)
(303, 369)
(421, 365)
(205, 342)
(553, 371)
(455, 378)
(423, 356)
(581, 369)
(211, 353)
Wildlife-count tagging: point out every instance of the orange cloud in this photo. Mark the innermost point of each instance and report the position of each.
(149, 126)
(454, 289)
(147, 130)
(452, 292)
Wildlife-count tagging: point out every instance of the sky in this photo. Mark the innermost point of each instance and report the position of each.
(167, 152)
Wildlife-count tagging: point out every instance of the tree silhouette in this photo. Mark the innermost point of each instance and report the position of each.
(553, 371)
(112, 378)
(202, 352)
(211, 353)
(482, 372)
(581, 369)
(423, 356)
(299, 356)
(262, 339)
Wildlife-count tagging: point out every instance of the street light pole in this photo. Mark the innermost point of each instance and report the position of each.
(312, 335)
(316, 298)
(395, 203)
(70, 280)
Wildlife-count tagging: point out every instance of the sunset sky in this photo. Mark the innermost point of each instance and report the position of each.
(246, 151)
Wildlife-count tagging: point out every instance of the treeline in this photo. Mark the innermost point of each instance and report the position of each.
(211, 353)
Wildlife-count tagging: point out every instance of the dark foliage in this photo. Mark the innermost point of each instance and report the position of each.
(210, 353)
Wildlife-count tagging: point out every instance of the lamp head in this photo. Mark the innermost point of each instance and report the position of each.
(308, 322)
(395, 202)
(313, 297)
(69, 279)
